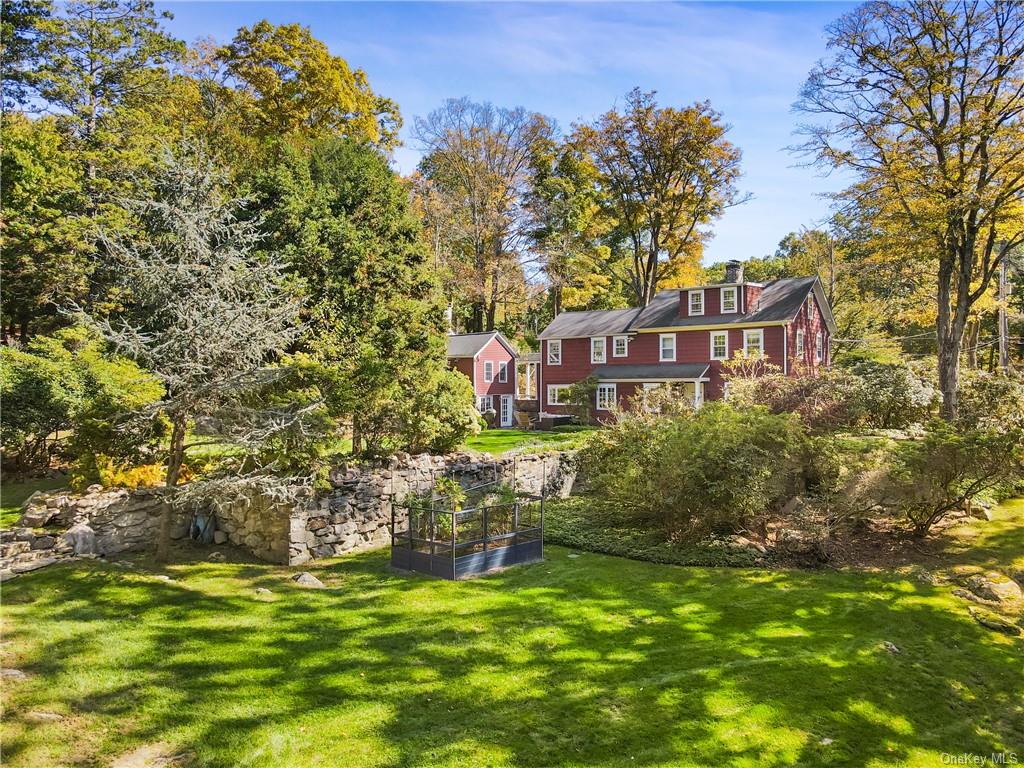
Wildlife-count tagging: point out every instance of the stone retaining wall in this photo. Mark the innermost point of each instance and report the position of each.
(354, 515)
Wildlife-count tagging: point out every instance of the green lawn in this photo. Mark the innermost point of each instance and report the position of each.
(498, 441)
(13, 495)
(583, 660)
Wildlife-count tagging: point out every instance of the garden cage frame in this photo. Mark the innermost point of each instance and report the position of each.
(446, 540)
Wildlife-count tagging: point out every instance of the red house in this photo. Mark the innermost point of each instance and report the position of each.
(683, 336)
(490, 363)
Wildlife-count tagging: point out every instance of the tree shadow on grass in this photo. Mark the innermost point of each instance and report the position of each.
(594, 661)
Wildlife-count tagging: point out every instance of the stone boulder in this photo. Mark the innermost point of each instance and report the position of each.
(82, 539)
(307, 579)
(996, 587)
(994, 622)
(36, 516)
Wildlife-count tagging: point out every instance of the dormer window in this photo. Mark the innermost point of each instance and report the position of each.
(696, 302)
(729, 300)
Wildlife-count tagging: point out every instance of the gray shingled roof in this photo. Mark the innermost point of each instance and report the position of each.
(597, 322)
(780, 301)
(651, 371)
(469, 344)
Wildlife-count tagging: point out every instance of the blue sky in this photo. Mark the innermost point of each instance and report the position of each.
(573, 61)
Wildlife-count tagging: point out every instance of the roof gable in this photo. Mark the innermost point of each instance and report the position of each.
(471, 344)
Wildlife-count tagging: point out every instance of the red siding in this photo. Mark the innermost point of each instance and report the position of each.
(463, 365)
(691, 347)
(495, 352)
(811, 322)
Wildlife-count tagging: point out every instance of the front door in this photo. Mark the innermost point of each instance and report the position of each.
(506, 410)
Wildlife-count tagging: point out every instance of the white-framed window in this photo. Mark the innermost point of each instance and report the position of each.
(555, 393)
(488, 371)
(597, 349)
(605, 397)
(555, 352)
(753, 342)
(485, 403)
(696, 302)
(729, 300)
(800, 343)
(503, 371)
(719, 345)
(645, 392)
(667, 347)
(819, 347)
(810, 306)
(620, 346)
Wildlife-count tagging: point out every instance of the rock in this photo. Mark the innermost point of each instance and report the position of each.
(179, 531)
(981, 513)
(94, 488)
(892, 648)
(742, 542)
(33, 565)
(31, 501)
(995, 586)
(37, 716)
(36, 517)
(965, 594)
(263, 591)
(219, 537)
(163, 577)
(307, 579)
(994, 622)
(44, 542)
(13, 674)
(316, 524)
(217, 557)
(81, 538)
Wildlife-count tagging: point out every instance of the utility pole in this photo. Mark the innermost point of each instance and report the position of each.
(1004, 323)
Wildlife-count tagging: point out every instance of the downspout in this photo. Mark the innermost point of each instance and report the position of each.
(785, 350)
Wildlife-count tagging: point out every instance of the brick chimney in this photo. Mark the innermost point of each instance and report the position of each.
(734, 271)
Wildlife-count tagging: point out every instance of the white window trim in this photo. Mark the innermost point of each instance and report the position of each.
(719, 333)
(689, 302)
(488, 371)
(553, 390)
(735, 300)
(603, 347)
(819, 347)
(661, 348)
(749, 332)
(557, 345)
(800, 349)
(502, 372)
(625, 346)
(610, 402)
(485, 403)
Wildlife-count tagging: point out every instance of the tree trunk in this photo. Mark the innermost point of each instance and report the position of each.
(973, 331)
(175, 459)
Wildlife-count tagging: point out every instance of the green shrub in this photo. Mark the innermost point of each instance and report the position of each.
(721, 470)
(950, 467)
(892, 394)
(824, 399)
(991, 401)
(68, 381)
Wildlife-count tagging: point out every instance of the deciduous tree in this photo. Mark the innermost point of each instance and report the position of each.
(665, 175)
(923, 102)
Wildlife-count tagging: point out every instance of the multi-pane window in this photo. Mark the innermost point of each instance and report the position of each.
(719, 345)
(503, 371)
(555, 393)
(620, 346)
(800, 343)
(668, 347)
(753, 342)
(488, 370)
(728, 300)
(819, 347)
(555, 352)
(485, 403)
(605, 397)
(597, 347)
(696, 302)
